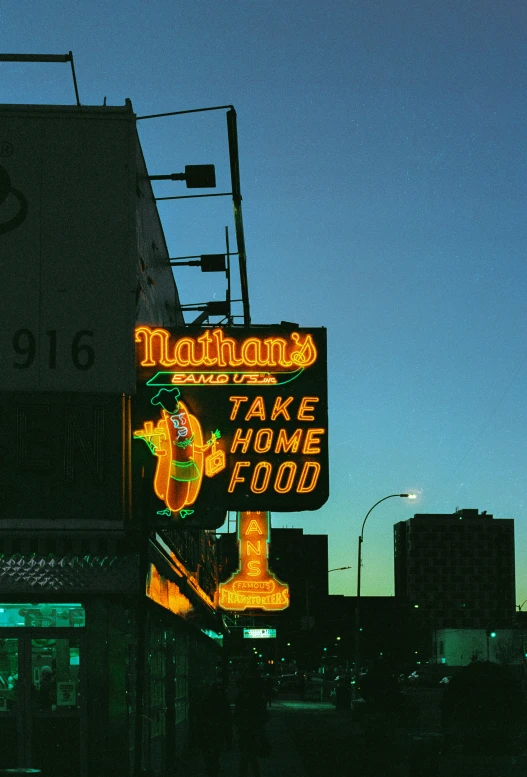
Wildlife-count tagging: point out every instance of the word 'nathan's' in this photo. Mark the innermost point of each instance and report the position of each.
(157, 348)
(253, 585)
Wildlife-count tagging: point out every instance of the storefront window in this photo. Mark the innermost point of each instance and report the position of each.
(181, 678)
(8, 674)
(55, 667)
(42, 615)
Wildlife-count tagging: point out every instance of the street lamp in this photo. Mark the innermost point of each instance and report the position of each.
(357, 607)
(336, 569)
(195, 176)
(203, 176)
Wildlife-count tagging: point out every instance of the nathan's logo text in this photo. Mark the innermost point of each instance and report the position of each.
(156, 348)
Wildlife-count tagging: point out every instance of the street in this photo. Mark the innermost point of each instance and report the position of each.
(313, 739)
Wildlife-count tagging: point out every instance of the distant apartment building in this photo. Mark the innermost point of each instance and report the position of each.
(457, 570)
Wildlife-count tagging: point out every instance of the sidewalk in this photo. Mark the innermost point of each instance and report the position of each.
(284, 760)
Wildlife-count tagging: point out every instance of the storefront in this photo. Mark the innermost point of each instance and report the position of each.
(93, 672)
(43, 715)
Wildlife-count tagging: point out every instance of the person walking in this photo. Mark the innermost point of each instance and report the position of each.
(269, 689)
(250, 717)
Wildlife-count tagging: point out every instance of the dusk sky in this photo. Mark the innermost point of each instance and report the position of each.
(383, 172)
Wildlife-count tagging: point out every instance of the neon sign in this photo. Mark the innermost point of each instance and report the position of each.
(253, 585)
(234, 418)
(166, 593)
(216, 349)
(177, 442)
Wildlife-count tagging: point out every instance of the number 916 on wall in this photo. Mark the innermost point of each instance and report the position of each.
(67, 359)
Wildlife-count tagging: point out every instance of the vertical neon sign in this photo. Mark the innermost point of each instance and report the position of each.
(253, 585)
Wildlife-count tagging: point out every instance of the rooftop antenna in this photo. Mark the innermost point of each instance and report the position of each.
(45, 58)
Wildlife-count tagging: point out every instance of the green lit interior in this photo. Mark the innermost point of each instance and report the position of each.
(42, 615)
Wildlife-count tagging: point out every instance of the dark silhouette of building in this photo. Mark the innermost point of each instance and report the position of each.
(317, 629)
(384, 630)
(106, 618)
(457, 570)
(301, 561)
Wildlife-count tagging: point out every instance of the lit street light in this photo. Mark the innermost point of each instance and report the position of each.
(357, 609)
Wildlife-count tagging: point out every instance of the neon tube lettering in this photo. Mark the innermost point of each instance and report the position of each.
(263, 440)
(257, 409)
(285, 488)
(306, 406)
(147, 337)
(236, 405)
(312, 441)
(253, 585)
(287, 444)
(266, 468)
(302, 488)
(214, 348)
(239, 439)
(280, 408)
(226, 345)
(235, 477)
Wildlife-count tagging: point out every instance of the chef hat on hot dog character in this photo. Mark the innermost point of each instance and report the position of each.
(168, 399)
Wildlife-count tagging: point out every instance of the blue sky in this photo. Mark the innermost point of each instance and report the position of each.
(383, 169)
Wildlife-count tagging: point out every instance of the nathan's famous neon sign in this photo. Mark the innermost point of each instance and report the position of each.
(177, 442)
(253, 585)
(215, 349)
(260, 443)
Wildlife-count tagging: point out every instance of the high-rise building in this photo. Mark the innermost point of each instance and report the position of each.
(457, 569)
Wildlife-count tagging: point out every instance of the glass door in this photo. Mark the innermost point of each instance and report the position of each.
(42, 688)
(54, 720)
(11, 742)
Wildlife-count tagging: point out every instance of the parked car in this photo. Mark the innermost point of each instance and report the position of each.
(315, 687)
(290, 683)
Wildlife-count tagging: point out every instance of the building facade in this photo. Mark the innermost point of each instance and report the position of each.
(107, 623)
(456, 571)
(460, 647)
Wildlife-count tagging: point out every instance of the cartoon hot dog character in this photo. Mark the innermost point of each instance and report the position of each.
(177, 442)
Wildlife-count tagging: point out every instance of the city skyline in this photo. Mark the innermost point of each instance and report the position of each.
(382, 164)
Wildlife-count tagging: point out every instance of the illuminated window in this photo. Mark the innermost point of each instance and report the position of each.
(42, 615)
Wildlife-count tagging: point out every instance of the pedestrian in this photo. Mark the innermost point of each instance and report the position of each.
(46, 695)
(269, 689)
(250, 717)
(343, 693)
(214, 722)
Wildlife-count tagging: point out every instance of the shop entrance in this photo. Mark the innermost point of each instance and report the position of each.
(42, 696)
